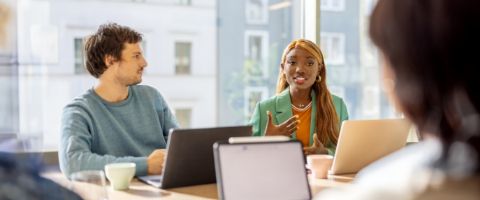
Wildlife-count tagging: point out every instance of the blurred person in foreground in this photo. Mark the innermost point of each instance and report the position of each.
(117, 120)
(429, 71)
(20, 179)
(303, 108)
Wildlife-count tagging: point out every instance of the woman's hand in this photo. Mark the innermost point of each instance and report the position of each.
(316, 148)
(286, 128)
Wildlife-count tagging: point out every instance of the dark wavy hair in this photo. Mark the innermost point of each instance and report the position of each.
(430, 47)
(109, 40)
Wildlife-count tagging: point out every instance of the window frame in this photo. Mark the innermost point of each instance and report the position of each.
(327, 39)
(189, 66)
(264, 49)
(263, 13)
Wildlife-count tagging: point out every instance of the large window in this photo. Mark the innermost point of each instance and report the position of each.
(251, 37)
(352, 62)
(333, 46)
(42, 64)
(212, 63)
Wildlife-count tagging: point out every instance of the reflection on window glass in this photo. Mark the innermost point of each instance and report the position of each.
(182, 57)
(184, 117)
(79, 56)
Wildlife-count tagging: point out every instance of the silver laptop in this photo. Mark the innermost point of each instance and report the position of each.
(189, 159)
(362, 142)
(263, 170)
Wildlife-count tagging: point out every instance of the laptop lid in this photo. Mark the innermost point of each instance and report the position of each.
(264, 170)
(189, 158)
(362, 142)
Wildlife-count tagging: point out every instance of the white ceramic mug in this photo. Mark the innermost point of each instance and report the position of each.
(320, 164)
(120, 174)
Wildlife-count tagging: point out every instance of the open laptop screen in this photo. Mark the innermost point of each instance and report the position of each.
(189, 159)
(362, 142)
(261, 171)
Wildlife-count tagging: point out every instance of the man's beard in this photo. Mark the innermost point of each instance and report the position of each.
(136, 82)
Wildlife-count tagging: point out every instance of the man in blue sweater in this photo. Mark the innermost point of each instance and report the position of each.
(117, 120)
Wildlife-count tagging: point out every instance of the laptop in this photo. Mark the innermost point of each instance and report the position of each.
(261, 170)
(189, 157)
(362, 142)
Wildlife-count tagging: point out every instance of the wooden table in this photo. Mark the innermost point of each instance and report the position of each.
(140, 190)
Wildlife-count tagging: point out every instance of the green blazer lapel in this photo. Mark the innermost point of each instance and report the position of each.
(283, 107)
(313, 116)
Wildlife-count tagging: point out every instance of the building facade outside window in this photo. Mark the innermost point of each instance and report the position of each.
(256, 11)
(184, 117)
(183, 58)
(185, 2)
(251, 37)
(252, 96)
(333, 46)
(79, 56)
(351, 60)
(256, 52)
(332, 5)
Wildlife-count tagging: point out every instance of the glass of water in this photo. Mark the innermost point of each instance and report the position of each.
(90, 185)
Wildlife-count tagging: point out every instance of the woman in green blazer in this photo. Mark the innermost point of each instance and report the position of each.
(302, 90)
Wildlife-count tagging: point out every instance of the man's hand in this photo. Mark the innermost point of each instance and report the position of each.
(155, 161)
(286, 128)
(316, 148)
